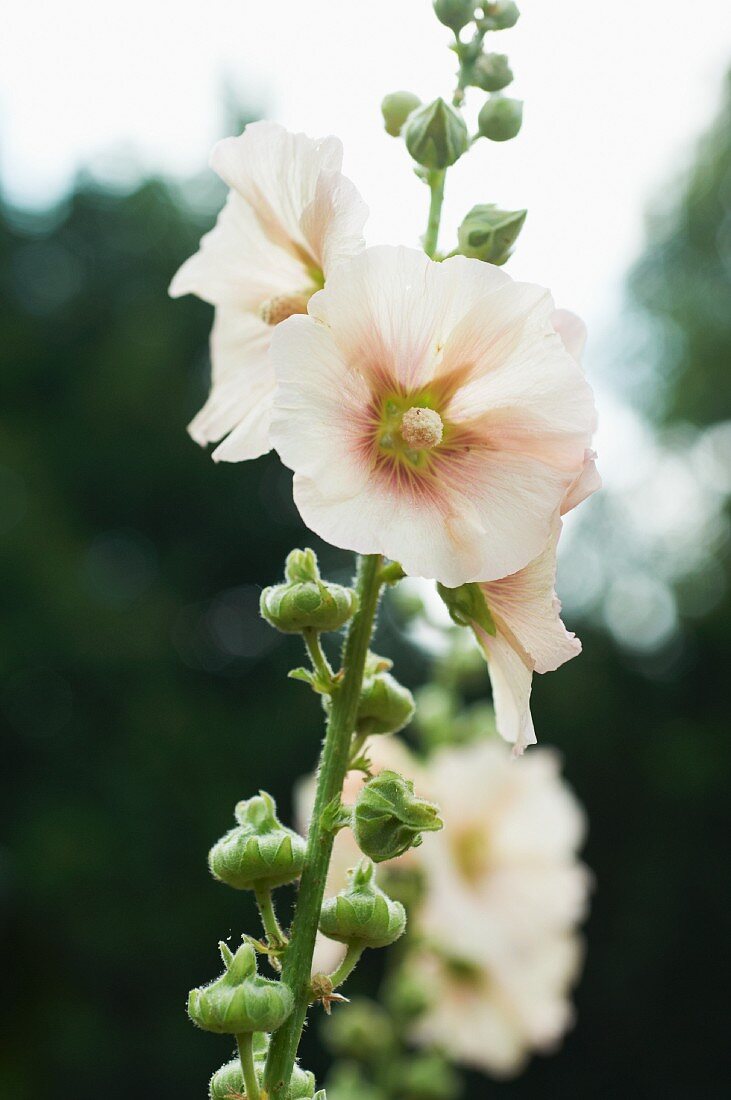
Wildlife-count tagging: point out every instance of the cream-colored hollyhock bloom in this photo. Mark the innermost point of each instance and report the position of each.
(290, 217)
(430, 412)
(529, 637)
(504, 892)
(385, 753)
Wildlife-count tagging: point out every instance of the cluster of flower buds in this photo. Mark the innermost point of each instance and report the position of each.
(361, 915)
(240, 1002)
(388, 818)
(228, 1081)
(305, 601)
(259, 853)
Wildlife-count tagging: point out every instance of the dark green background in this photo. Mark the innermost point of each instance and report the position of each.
(141, 696)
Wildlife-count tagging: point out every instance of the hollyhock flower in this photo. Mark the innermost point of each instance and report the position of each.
(504, 892)
(527, 636)
(384, 753)
(431, 413)
(290, 217)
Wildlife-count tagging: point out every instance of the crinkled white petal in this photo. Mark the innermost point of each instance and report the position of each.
(572, 331)
(589, 481)
(511, 680)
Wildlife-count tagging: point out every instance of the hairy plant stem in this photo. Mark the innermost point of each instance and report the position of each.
(436, 185)
(334, 760)
(244, 1043)
(275, 935)
(347, 966)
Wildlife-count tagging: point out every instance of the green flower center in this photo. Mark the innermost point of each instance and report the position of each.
(409, 428)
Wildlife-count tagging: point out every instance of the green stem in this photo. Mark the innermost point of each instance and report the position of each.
(274, 933)
(334, 760)
(320, 662)
(245, 1045)
(347, 966)
(436, 185)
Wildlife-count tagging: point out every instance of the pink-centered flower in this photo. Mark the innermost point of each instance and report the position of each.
(431, 413)
(290, 217)
(528, 637)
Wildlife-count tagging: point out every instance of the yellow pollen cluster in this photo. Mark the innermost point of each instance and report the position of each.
(282, 306)
(421, 428)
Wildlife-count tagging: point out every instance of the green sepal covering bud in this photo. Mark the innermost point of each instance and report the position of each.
(491, 72)
(425, 1077)
(305, 601)
(436, 135)
(455, 14)
(405, 996)
(467, 606)
(500, 16)
(361, 915)
(240, 1001)
(228, 1081)
(396, 108)
(385, 706)
(500, 118)
(488, 233)
(388, 818)
(362, 1031)
(259, 853)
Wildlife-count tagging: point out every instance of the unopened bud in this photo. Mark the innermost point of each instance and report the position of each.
(228, 1081)
(385, 706)
(305, 601)
(467, 606)
(363, 1030)
(455, 14)
(388, 818)
(396, 108)
(425, 1077)
(240, 1001)
(488, 233)
(491, 72)
(500, 118)
(500, 16)
(260, 853)
(436, 135)
(361, 915)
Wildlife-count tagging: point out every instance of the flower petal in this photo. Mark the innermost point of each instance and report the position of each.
(572, 331)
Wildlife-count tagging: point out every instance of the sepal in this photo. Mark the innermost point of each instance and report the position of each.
(455, 14)
(500, 16)
(388, 818)
(467, 605)
(500, 118)
(240, 1001)
(305, 601)
(385, 706)
(436, 135)
(488, 233)
(259, 853)
(396, 108)
(491, 72)
(361, 915)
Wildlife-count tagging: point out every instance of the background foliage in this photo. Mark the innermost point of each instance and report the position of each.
(142, 696)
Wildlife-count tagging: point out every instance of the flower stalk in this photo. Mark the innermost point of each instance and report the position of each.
(436, 186)
(334, 760)
(244, 1044)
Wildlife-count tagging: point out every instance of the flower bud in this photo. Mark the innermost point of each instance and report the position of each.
(385, 706)
(425, 1077)
(455, 14)
(361, 915)
(488, 233)
(259, 853)
(228, 1081)
(500, 118)
(500, 16)
(491, 72)
(388, 818)
(436, 135)
(405, 996)
(363, 1031)
(305, 600)
(467, 606)
(396, 108)
(240, 1001)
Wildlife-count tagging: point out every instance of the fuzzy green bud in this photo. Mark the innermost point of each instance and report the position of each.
(385, 706)
(455, 14)
(305, 601)
(436, 135)
(388, 818)
(488, 233)
(240, 1001)
(361, 915)
(500, 118)
(396, 108)
(228, 1081)
(425, 1077)
(501, 16)
(467, 606)
(362, 1030)
(491, 72)
(259, 853)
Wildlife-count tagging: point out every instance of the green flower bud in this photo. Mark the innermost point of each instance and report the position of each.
(388, 818)
(406, 997)
(362, 1031)
(500, 118)
(436, 135)
(229, 1081)
(396, 108)
(467, 606)
(385, 705)
(240, 1001)
(455, 14)
(491, 72)
(361, 915)
(347, 1082)
(260, 853)
(488, 233)
(305, 600)
(501, 16)
(425, 1077)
